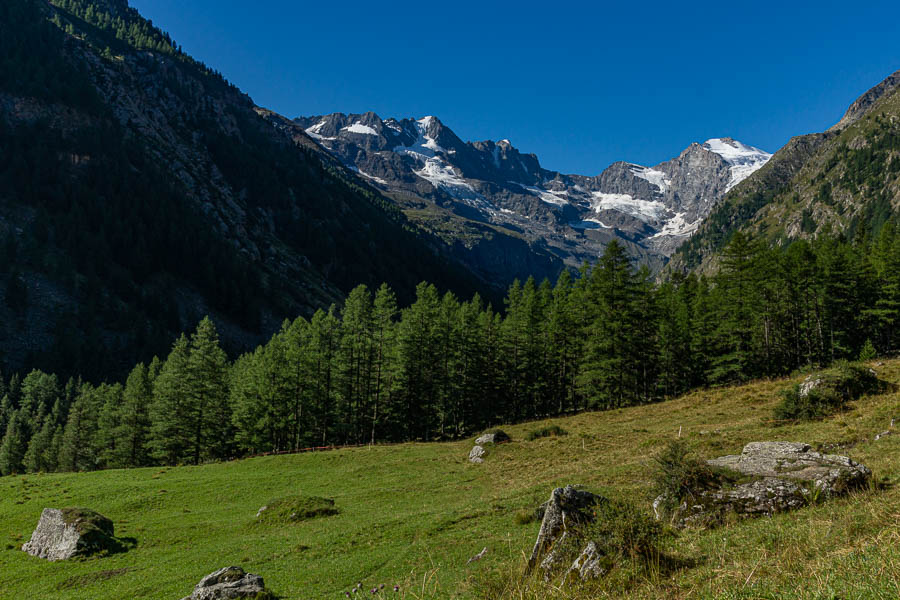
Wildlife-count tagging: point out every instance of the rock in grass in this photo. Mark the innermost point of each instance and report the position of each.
(229, 583)
(567, 506)
(476, 455)
(768, 478)
(71, 532)
(496, 436)
(589, 564)
(292, 509)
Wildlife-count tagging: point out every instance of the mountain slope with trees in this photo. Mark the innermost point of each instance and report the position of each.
(139, 191)
(844, 182)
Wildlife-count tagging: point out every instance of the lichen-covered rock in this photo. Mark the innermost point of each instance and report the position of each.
(767, 478)
(567, 506)
(71, 532)
(494, 437)
(228, 583)
(476, 455)
(589, 564)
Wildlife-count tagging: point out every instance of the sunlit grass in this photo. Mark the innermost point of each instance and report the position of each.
(413, 514)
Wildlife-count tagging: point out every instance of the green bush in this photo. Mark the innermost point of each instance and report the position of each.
(679, 475)
(826, 393)
(620, 530)
(551, 430)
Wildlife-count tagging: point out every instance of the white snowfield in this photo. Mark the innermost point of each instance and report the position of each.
(744, 159)
(648, 211)
(361, 129)
(657, 178)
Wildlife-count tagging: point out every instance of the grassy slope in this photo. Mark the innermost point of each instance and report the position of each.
(412, 514)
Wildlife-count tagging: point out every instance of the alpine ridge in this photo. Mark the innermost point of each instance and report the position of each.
(422, 163)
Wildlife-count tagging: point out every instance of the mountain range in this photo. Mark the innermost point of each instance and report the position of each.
(139, 191)
(447, 185)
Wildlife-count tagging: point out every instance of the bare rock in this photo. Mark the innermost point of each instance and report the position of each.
(228, 583)
(883, 435)
(567, 506)
(477, 455)
(768, 478)
(66, 533)
(589, 564)
(495, 437)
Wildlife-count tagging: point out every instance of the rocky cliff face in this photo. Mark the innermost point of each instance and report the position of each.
(650, 209)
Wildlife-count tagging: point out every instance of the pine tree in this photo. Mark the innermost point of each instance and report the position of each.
(170, 432)
(133, 430)
(38, 457)
(13, 446)
(208, 408)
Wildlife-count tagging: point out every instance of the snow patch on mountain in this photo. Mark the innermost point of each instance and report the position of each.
(657, 178)
(645, 210)
(360, 128)
(367, 176)
(313, 131)
(548, 196)
(678, 226)
(589, 224)
(744, 159)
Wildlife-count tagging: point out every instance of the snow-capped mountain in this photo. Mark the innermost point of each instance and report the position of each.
(652, 209)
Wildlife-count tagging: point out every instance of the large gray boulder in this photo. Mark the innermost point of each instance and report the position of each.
(768, 478)
(476, 455)
(567, 506)
(228, 583)
(71, 532)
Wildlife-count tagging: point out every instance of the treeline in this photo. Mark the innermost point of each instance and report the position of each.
(444, 368)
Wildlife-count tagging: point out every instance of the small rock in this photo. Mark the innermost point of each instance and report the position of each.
(261, 511)
(478, 556)
(883, 434)
(227, 584)
(69, 532)
(476, 455)
(496, 437)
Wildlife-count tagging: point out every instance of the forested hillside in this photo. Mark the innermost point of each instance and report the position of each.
(443, 368)
(843, 182)
(139, 191)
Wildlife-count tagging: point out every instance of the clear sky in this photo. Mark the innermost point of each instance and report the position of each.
(580, 84)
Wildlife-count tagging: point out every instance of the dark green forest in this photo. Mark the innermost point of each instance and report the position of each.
(443, 368)
(95, 214)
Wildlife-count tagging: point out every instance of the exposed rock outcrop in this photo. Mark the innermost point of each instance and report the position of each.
(767, 478)
(567, 506)
(66, 533)
(494, 437)
(228, 583)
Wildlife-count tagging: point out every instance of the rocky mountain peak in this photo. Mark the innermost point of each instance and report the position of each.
(651, 208)
(864, 102)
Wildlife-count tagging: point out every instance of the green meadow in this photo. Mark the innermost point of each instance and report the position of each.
(412, 515)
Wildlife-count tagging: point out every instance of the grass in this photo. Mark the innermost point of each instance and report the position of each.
(412, 515)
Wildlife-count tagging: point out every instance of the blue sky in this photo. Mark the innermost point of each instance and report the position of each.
(579, 84)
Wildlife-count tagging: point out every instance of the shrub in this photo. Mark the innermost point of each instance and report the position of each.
(679, 475)
(620, 530)
(549, 431)
(826, 393)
